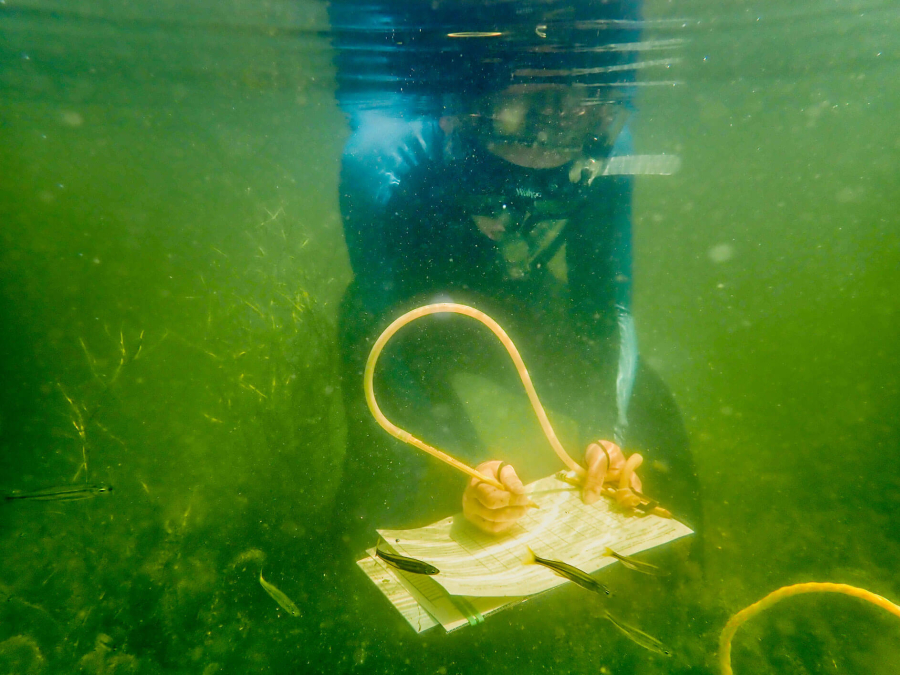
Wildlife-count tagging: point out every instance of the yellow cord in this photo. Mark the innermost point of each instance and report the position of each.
(786, 592)
(406, 437)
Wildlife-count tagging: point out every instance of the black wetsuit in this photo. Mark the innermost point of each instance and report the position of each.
(557, 279)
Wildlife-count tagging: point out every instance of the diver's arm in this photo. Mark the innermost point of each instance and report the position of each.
(626, 372)
(598, 254)
(377, 163)
(364, 230)
(626, 333)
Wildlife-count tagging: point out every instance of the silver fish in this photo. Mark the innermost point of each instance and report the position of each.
(636, 565)
(401, 562)
(569, 572)
(278, 596)
(639, 637)
(63, 493)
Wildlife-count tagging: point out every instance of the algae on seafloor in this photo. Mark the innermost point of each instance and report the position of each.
(21, 655)
(221, 430)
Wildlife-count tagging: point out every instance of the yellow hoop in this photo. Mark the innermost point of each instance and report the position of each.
(797, 589)
(406, 437)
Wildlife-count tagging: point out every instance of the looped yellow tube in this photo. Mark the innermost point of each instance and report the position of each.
(797, 589)
(406, 437)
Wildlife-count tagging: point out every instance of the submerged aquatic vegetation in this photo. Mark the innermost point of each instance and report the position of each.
(85, 412)
(231, 432)
(21, 655)
(106, 659)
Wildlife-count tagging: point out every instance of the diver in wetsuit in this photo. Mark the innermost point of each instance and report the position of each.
(486, 193)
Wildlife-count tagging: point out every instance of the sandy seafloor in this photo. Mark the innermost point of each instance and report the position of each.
(171, 258)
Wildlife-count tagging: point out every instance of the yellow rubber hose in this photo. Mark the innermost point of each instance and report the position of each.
(786, 592)
(406, 437)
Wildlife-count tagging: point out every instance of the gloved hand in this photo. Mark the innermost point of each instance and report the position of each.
(489, 509)
(606, 463)
(495, 511)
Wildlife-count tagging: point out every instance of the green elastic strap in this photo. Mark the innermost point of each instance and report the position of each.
(473, 616)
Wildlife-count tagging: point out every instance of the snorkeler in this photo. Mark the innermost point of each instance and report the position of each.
(467, 179)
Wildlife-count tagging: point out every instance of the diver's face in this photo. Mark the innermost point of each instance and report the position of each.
(540, 126)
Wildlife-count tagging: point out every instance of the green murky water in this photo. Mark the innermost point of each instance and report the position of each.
(171, 257)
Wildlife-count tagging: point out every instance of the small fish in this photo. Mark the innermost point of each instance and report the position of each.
(639, 637)
(278, 596)
(569, 572)
(475, 34)
(65, 493)
(407, 564)
(636, 565)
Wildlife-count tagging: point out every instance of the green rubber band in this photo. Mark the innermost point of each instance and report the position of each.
(473, 616)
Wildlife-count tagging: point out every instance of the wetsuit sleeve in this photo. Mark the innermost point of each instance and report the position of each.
(377, 159)
(600, 275)
(598, 256)
(623, 274)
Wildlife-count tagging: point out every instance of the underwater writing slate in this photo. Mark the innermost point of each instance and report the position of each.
(474, 564)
